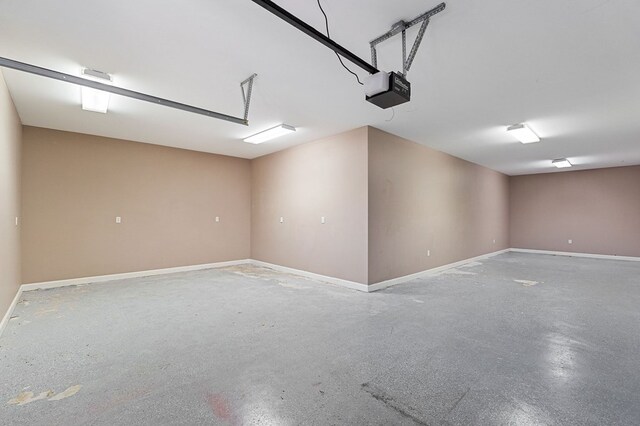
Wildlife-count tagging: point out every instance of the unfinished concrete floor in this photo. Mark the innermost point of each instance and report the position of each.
(519, 339)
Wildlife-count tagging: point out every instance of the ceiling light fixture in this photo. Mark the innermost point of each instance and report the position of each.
(562, 163)
(92, 99)
(272, 133)
(523, 133)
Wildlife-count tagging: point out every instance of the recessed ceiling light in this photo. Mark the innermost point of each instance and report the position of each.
(271, 133)
(523, 133)
(93, 99)
(562, 163)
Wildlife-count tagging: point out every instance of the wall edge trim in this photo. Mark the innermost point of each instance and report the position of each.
(576, 254)
(124, 275)
(12, 306)
(427, 272)
(120, 276)
(324, 278)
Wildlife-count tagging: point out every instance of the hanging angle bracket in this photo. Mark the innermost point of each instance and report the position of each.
(246, 95)
(56, 75)
(401, 28)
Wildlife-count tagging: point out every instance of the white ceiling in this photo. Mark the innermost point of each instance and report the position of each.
(568, 68)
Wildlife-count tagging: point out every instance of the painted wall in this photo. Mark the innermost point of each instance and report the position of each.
(421, 199)
(302, 184)
(10, 141)
(74, 186)
(599, 210)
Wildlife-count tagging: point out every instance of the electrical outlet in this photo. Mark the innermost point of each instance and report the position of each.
(16, 220)
(570, 241)
(428, 253)
(217, 218)
(281, 219)
(118, 219)
(322, 220)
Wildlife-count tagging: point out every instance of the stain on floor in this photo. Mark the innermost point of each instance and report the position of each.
(214, 346)
(527, 283)
(27, 397)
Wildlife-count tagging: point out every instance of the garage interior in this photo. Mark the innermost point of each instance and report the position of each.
(466, 256)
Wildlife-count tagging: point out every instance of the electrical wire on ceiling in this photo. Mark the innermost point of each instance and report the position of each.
(393, 115)
(326, 23)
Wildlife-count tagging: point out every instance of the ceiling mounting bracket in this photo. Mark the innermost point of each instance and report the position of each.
(246, 96)
(401, 27)
(68, 78)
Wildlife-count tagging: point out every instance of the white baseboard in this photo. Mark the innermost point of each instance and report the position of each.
(332, 280)
(337, 281)
(7, 316)
(572, 254)
(113, 277)
(395, 281)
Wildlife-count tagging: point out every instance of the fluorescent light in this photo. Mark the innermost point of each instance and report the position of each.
(95, 100)
(523, 133)
(562, 163)
(271, 133)
(92, 99)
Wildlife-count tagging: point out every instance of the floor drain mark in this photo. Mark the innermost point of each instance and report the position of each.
(387, 400)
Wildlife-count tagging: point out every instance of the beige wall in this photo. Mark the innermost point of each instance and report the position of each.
(599, 210)
(421, 199)
(323, 178)
(386, 201)
(10, 140)
(74, 186)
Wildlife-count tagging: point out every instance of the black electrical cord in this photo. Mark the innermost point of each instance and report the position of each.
(326, 23)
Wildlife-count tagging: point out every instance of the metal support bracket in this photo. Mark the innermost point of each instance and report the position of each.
(402, 27)
(68, 78)
(246, 96)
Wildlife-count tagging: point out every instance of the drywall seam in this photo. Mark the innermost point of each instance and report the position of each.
(331, 280)
(395, 281)
(113, 277)
(7, 316)
(573, 254)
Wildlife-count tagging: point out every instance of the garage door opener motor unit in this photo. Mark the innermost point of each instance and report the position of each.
(382, 88)
(390, 89)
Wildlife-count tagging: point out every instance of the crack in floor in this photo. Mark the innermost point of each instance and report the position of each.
(389, 401)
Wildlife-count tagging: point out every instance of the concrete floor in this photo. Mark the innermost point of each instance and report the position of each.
(518, 339)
